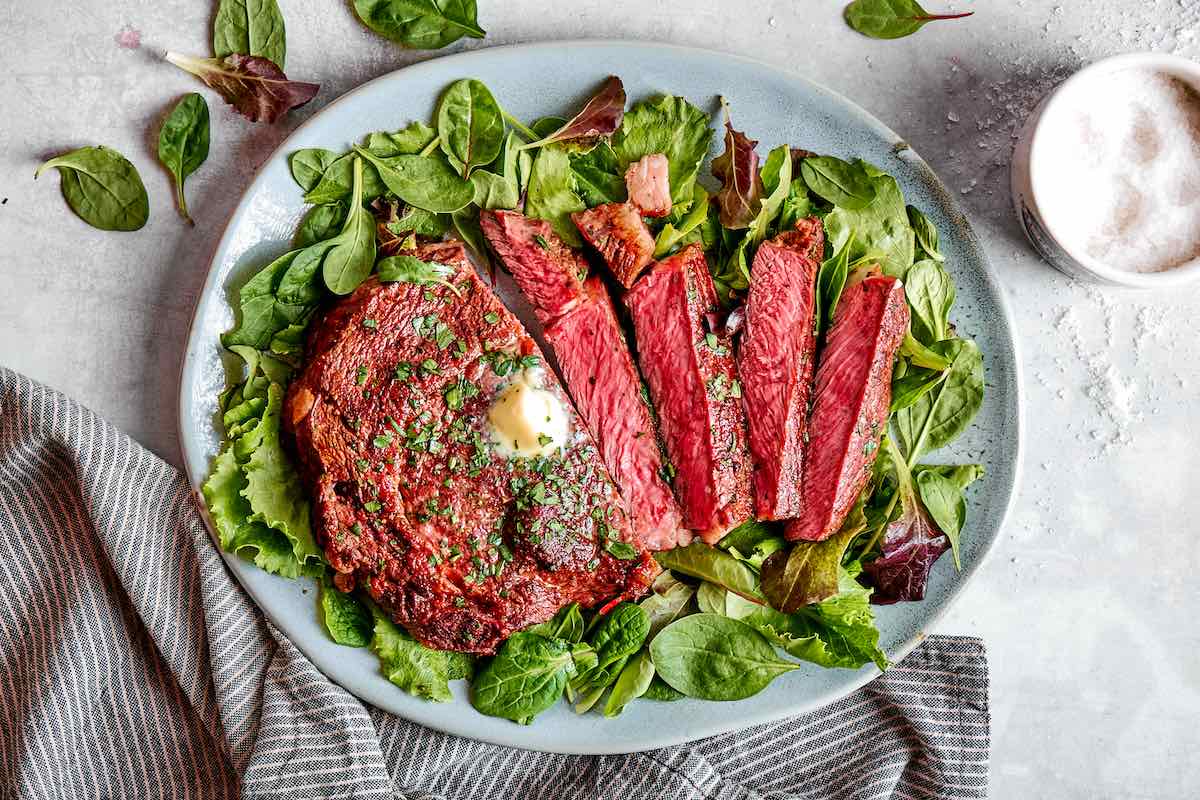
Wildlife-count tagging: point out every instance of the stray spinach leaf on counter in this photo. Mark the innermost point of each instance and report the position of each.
(716, 658)
(253, 85)
(891, 19)
(420, 24)
(102, 187)
(183, 143)
(250, 27)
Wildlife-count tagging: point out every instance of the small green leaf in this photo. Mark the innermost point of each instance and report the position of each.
(183, 143)
(102, 188)
(420, 24)
(250, 27)
(470, 125)
(891, 19)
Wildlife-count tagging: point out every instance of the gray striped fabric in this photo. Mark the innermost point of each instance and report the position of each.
(133, 666)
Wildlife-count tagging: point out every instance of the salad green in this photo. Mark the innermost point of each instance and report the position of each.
(721, 621)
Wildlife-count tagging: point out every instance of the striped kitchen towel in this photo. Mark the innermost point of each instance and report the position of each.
(133, 666)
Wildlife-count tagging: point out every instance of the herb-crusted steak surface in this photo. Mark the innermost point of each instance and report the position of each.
(412, 501)
(695, 388)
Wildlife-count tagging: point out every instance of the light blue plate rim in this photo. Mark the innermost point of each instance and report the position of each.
(290, 605)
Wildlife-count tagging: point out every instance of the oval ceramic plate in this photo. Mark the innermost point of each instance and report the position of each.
(554, 79)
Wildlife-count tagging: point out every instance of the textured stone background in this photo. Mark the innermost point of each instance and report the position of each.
(1089, 603)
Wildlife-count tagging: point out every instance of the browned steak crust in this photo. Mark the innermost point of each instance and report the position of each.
(461, 545)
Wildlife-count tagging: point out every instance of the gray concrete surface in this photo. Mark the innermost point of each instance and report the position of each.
(1089, 604)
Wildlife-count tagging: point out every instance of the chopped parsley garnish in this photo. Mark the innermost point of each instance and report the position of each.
(430, 366)
(544, 440)
(621, 550)
(373, 506)
(491, 318)
(360, 375)
(370, 324)
(382, 440)
(541, 241)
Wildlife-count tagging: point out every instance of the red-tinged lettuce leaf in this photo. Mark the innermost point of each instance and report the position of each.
(255, 86)
(599, 118)
(911, 543)
(808, 573)
(741, 191)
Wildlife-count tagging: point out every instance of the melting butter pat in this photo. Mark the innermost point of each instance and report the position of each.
(526, 420)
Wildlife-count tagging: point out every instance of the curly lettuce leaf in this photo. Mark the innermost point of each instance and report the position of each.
(273, 489)
(410, 665)
(551, 195)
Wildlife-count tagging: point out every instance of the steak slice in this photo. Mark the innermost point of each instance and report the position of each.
(775, 362)
(547, 270)
(649, 184)
(617, 231)
(853, 392)
(414, 501)
(693, 383)
(602, 379)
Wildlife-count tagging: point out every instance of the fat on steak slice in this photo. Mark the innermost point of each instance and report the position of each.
(414, 502)
(693, 383)
(850, 410)
(649, 184)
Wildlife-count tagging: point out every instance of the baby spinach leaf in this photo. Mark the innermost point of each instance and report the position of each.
(662, 691)
(880, 230)
(319, 224)
(753, 542)
(420, 24)
(631, 684)
(716, 658)
(808, 573)
(352, 254)
(945, 503)
(421, 222)
(102, 187)
(711, 599)
(551, 195)
(250, 27)
(796, 206)
(253, 85)
(940, 416)
(466, 225)
(918, 355)
(409, 140)
(524, 679)
(776, 180)
(618, 636)
(961, 475)
(423, 181)
(930, 295)
(346, 619)
(309, 165)
(926, 233)
(891, 19)
(740, 196)
(567, 624)
(598, 177)
(707, 563)
(470, 125)
(600, 117)
(831, 280)
(840, 182)
(299, 285)
(914, 384)
(183, 143)
(410, 269)
(338, 179)
(667, 601)
(494, 191)
(407, 663)
(669, 125)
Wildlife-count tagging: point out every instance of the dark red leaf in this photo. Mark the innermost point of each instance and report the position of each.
(910, 546)
(599, 118)
(740, 196)
(255, 86)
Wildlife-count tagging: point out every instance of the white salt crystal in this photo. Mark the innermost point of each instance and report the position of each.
(1119, 170)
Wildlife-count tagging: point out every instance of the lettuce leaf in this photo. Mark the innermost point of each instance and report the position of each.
(412, 666)
(347, 620)
(551, 195)
(880, 229)
(273, 489)
(669, 125)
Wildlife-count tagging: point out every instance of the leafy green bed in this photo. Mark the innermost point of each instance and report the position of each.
(722, 622)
